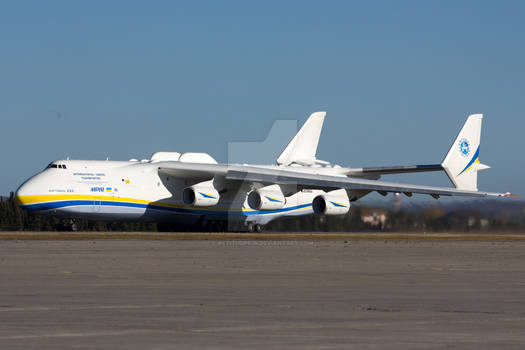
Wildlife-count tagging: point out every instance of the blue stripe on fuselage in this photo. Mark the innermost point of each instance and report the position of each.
(70, 203)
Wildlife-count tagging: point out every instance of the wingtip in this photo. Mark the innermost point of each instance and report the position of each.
(318, 114)
(511, 195)
(476, 116)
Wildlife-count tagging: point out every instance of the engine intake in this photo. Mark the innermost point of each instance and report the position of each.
(267, 198)
(200, 195)
(331, 203)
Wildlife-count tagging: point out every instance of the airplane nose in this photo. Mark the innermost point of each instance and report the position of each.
(19, 195)
(23, 192)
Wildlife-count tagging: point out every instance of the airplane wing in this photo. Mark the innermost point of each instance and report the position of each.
(308, 179)
(328, 182)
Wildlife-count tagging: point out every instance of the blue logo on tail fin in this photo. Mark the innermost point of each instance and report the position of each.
(464, 147)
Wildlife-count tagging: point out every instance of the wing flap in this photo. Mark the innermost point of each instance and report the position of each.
(401, 169)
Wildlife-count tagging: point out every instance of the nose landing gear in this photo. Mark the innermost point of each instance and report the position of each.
(68, 225)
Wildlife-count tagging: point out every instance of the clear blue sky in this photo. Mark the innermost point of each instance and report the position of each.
(127, 78)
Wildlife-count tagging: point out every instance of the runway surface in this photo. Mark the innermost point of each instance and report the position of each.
(300, 294)
(271, 236)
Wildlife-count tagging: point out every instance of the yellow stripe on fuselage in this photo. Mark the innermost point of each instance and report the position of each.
(27, 200)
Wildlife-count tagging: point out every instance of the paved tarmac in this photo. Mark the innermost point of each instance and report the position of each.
(116, 294)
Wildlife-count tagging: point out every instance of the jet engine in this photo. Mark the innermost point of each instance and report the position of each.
(266, 198)
(332, 203)
(202, 194)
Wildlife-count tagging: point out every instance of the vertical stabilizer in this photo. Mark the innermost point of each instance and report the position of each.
(462, 161)
(302, 148)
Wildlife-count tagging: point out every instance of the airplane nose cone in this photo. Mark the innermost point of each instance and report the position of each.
(19, 195)
(23, 192)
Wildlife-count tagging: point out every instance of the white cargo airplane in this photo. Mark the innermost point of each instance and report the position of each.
(193, 189)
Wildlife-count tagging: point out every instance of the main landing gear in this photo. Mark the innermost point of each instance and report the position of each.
(253, 227)
(229, 226)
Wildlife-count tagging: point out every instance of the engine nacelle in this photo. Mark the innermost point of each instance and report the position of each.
(201, 195)
(267, 198)
(331, 203)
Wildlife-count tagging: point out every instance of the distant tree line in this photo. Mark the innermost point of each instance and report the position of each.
(430, 219)
(434, 218)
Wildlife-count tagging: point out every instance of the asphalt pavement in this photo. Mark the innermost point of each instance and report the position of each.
(143, 294)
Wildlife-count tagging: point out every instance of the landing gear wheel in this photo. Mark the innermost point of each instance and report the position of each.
(250, 227)
(258, 228)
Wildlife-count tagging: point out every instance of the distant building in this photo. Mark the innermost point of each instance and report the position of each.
(375, 219)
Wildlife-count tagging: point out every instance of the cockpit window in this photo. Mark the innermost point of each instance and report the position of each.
(56, 166)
